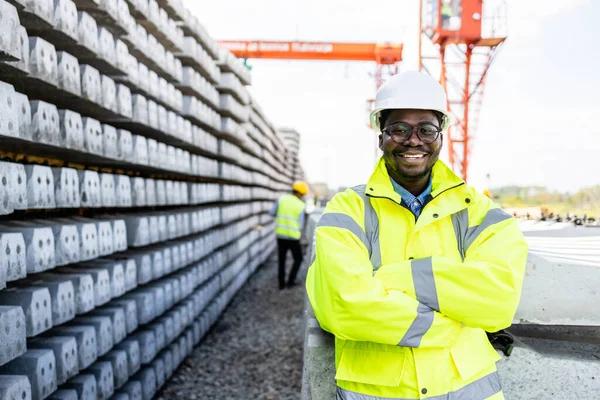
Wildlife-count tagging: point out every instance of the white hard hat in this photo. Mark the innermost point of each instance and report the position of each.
(410, 90)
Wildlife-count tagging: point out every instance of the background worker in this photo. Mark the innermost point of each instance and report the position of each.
(413, 269)
(289, 213)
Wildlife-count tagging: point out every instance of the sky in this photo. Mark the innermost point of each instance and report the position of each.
(537, 125)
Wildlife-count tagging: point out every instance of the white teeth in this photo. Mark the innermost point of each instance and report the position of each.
(412, 155)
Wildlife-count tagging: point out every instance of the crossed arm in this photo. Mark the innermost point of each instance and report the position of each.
(416, 303)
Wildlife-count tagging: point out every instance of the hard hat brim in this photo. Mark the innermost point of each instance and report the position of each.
(374, 117)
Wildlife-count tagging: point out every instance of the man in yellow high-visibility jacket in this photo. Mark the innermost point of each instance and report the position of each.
(289, 213)
(415, 268)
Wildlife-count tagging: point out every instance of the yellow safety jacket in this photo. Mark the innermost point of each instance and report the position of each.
(410, 300)
(287, 222)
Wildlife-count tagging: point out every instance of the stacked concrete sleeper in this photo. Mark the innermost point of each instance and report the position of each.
(135, 170)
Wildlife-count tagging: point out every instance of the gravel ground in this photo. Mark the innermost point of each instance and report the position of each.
(254, 351)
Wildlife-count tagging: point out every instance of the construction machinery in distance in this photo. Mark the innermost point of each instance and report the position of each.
(458, 42)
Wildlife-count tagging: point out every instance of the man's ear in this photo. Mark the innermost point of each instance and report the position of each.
(381, 142)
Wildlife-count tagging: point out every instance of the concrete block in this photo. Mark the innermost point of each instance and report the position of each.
(23, 42)
(171, 156)
(159, 299)
(154, 235)
(124, 145)
(69, 75)
(137, 231)
(15, 387)
(153, 85)
(161, 193)
(117, 317)
(159, 335)
(106, 46)
(84, 385)
(153, 114)
(65, 354)
(71, 130)
(124, 101)
(103, 372)
(147, 378)
(40, 368)
(108, 197)
(45, 122)
(171, 123)
(159, 370)
(118, 361)
(65, 18)
(153, 155)
(129, 307)
(133, 389)
(12, 334)
(119, 235)
(101, 279)
(9, 111)
(88, 31)
(82, 285)
(64, 394)
(62, 298)
(92, 136)
(103, 328)
(138, 192)
(109, 141)
(145, 305)
(88, 238)
(167, 322)
(172, 194)
(542, 302)
(143, 267)
(122, 52)
(182, 348)
(9, 37)
(6, 205)
(123, 191)
(42, 60)
(85, 337)
(39, 246)
(189, 340)
(132, 348)
(167, 358)
(147, 342)
(175, 258)
(197, 327)
(115, 271)
(143, 74)
(150, 192)
(23, 115)
(140, 109)
(89, 188)
(167, 261)
(66, 242)
(41, 8)
(91, 84)
(109, 94)
(140, 150)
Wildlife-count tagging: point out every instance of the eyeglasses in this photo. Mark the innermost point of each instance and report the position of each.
(401, 132)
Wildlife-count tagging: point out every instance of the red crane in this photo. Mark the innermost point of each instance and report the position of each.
(466, 40)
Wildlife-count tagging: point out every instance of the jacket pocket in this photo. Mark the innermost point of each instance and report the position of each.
(472, 352)
(373, 367)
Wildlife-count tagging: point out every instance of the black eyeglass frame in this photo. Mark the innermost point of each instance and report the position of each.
(407, 136)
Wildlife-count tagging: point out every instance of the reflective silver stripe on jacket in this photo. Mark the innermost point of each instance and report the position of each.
(426, 293)
(371, 227)
(466, 236)
(481, 389)
(369, 237)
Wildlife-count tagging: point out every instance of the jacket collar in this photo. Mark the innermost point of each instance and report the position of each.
(380, 185)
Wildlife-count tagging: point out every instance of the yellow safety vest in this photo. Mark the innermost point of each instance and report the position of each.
(409, 302)
(287, 222)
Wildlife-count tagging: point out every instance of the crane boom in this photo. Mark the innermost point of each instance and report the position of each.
(381, 53)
